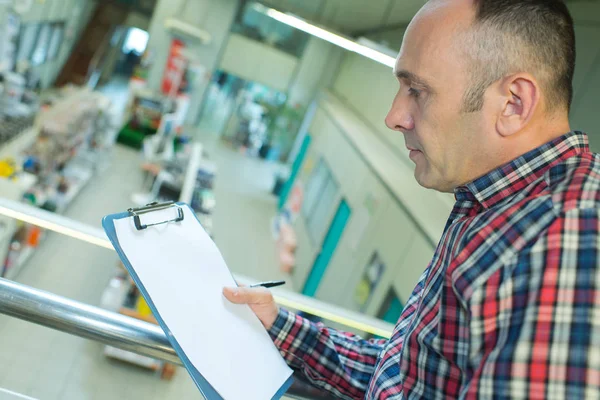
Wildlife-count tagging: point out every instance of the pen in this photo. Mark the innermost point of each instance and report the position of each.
(268, 285)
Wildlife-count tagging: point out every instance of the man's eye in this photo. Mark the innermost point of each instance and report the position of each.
(414, 92)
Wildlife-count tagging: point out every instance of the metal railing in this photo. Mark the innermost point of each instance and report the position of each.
(128, 333)
(285, 298)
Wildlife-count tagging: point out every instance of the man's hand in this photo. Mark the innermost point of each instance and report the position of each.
(260, 301)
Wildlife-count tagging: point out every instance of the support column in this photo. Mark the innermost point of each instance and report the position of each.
(214, 16)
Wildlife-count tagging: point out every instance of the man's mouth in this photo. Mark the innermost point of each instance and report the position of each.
(413, 152)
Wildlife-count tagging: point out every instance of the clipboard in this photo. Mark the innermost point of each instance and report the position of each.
(179, 213)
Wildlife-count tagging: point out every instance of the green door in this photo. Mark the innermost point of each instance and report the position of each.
(392, 314)
(334, 234)
(285, 191)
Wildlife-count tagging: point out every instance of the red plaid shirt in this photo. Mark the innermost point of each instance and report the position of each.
(509, 307)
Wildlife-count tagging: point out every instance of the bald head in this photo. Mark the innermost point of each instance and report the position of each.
(502, 37)
(480, 83)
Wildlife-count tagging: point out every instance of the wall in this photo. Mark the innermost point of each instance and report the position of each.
(366, 172)
(317, 71)
(318, 66)
(255, 61)
(367, 89)
(76, 14)
(584, 114)
(214, 16)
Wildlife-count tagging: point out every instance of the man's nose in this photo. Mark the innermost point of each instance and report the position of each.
(399, 117)
(389, 120)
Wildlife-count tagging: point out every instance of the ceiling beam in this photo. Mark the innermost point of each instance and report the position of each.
(379, 29)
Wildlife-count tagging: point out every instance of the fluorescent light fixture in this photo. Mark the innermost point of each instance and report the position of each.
(326, 35)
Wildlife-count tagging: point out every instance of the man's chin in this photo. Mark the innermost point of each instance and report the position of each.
(428, 182)
(421, 178)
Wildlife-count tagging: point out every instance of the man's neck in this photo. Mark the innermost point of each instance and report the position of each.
(520, 144)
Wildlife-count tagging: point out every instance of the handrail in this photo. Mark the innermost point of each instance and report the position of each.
(126, 333)
(86, 233)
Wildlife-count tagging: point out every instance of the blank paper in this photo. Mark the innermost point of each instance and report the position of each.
(184, 274)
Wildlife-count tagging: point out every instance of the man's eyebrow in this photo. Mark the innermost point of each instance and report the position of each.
(413, 79)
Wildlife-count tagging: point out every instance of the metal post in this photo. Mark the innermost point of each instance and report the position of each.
(75, 318)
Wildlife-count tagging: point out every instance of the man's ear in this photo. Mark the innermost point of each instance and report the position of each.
(520, 96)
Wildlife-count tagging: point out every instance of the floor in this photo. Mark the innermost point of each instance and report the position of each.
(49, 365)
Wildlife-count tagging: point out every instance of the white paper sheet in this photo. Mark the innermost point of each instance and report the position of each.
(184, 274)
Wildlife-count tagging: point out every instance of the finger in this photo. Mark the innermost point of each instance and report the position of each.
(230, 294)
(243, 295)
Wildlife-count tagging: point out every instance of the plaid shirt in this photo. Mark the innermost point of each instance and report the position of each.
(509, 307)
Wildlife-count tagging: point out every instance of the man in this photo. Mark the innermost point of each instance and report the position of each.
(510, 305)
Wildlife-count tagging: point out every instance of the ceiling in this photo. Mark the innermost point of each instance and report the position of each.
(352, 17)
(384, 21)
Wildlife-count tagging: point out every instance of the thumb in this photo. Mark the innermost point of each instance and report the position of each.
(244, 295)
(233, 295)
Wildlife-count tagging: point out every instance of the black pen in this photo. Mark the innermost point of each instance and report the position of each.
(268, 285)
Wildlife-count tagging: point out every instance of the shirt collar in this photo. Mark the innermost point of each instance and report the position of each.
(510, 178)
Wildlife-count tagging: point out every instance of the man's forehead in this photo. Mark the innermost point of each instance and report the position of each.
(414, 62)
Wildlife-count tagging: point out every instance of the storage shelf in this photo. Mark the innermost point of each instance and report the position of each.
(134, 314)
(132, 358)
(60, 113)
(18, 143)
(25, 255)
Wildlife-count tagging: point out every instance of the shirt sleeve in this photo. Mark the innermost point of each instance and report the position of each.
(535, 324)
(341, 363)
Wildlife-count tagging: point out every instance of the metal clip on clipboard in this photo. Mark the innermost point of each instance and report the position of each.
(137, 212)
